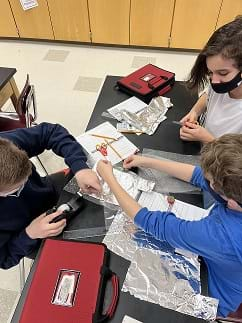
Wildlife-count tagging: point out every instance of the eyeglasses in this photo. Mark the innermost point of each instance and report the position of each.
(14, 193)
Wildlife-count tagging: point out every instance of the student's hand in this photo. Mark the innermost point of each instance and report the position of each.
(192, 117)
(105, 170)
(194, 132)
(88, 181)
(41, 227)
(134, 161)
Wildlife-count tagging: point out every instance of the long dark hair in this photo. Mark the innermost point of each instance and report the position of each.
(227, 41)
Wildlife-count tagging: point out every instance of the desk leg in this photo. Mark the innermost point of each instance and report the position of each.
(15, 90)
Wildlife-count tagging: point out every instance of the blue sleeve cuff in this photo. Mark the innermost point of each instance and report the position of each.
(78, 165)
(139, 217)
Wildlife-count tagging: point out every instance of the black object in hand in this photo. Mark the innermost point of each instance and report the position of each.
(69, 209)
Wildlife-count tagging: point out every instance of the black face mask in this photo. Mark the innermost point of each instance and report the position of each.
(216, 196)
(227, 86)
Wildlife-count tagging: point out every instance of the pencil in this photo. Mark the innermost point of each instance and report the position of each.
(104, 137)
(116, 152)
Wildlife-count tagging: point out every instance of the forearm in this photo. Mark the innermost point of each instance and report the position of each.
(175, 169)
(127, 203)
(200, 106)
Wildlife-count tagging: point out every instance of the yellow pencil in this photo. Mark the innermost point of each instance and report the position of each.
(116, 152)
(104, 137)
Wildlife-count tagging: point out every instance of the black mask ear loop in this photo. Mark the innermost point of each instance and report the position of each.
(216, 196)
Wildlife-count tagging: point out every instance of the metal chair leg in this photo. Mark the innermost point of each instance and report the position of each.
(21, 274)
(42, 165)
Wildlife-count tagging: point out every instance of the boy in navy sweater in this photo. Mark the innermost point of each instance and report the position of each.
(218, 237)
(25, 196)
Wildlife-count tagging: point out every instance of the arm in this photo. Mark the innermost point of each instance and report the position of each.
(198, 108)
(179, 170)
(200, 237)
(16, 245)
(48, 136)
(127, 203)
(55, 137)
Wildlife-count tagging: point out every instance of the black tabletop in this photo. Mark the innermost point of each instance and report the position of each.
(165, 138)
(5, 75)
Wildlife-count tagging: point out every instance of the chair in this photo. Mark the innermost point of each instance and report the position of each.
(235, 317)
(25, 114)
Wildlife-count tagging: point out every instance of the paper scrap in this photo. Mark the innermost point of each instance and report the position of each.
(29, 4)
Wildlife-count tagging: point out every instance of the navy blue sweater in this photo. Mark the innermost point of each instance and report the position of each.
(38, 195)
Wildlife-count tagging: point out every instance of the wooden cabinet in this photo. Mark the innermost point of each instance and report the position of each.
(70, 20)
(7, 24)
(150, 22)
(109, 21)
(193, 23)
(229, 10)
(33, 23)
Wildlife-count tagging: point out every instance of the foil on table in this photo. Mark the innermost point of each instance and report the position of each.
(165, 183)
(149, 118)
(130, 182)
(157, 274)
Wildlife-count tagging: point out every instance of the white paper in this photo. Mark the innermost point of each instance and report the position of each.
(156, 201)
(132, 104)
(122, 147)
(128, 319)
(28, 4)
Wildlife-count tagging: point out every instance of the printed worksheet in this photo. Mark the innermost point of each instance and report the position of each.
(132, 104)
(105, 142)
(156, 201)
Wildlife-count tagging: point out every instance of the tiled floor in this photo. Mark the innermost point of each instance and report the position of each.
(67, 80)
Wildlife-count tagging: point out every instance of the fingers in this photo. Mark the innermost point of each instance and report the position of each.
(128, 162)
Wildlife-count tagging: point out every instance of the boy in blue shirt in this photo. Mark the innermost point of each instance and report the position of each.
(218, 237)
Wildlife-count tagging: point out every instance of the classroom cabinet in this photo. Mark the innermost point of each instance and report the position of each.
(184, 24)
(109, 21)
(33, 23)
(193, 23)
(150, 22)
(70, 20)
(7, 24)
(229, 10)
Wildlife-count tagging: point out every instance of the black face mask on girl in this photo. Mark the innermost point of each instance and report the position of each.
(227, 86)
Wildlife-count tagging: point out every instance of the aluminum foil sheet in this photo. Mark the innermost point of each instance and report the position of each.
(165, 183)
(130, 182)
(149, 118)
(157, 273)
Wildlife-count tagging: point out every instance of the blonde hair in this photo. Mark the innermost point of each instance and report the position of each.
(15, 165)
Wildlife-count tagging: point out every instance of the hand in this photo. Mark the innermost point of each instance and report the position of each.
(41, 227)
(105, 170)
(134, 161)
(192, 116)
(194, 132)
(88, 181)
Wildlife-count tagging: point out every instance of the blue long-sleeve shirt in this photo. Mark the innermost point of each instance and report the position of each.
(217, 238)
(38, 194)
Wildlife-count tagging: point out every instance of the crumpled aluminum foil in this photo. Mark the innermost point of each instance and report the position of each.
(130, 182)
(157, 274)
(149, 118)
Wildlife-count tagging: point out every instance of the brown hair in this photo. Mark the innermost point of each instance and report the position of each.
(15, 165)
(227, 41)
(221, 159)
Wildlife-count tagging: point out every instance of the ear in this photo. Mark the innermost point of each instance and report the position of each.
(232, 204)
